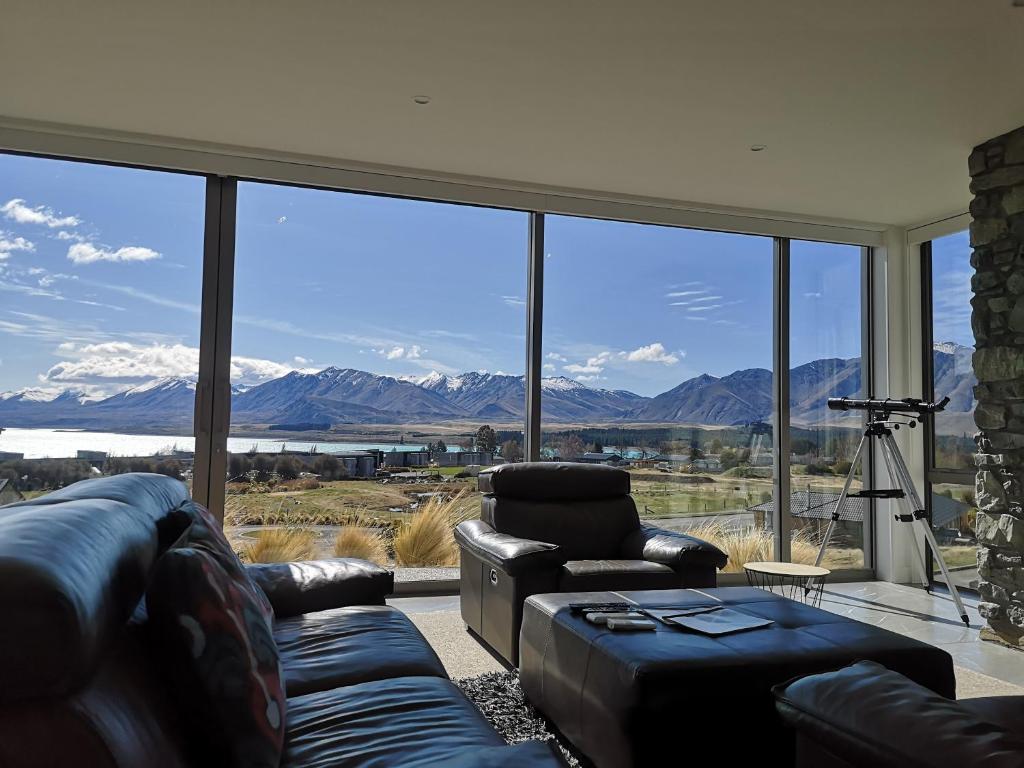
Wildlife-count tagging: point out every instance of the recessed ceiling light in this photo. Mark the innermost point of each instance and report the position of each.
(758, 147)
(421, 99)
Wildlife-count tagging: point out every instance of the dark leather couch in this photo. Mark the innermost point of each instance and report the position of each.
(866, 716)
(81, 682)
(564, 527)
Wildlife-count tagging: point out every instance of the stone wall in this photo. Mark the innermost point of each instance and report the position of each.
(997, 238)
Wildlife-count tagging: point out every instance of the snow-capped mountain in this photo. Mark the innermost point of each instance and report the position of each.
(350, 396)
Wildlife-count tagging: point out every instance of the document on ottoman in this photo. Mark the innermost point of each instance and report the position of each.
(724, 621)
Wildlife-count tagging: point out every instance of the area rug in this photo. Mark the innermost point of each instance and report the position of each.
(499, 696)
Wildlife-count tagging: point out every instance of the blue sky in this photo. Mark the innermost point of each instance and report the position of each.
(951, 289)
(100, 278)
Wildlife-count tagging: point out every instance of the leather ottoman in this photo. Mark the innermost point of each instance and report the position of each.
(639, 698)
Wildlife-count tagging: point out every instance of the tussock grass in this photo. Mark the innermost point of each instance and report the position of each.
(746, 545)
(363, 543)
(428, 540)
(280, 545)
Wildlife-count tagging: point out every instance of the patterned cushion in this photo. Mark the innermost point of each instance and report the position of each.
(206, 534)
(221, 659)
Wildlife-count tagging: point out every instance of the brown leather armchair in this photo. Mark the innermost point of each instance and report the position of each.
(564, 527)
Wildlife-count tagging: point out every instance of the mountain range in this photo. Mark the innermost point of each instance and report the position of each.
(336, 396)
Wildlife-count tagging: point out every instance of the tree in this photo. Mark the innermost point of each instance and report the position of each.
(511, 450)
(716, 446)
(169, 467)
(598, 447)
(438, 447)
(486, 439)
(329, 468)
(238, 466)
(263, 465)
(696, 453)
(287, 468)
(571, 447)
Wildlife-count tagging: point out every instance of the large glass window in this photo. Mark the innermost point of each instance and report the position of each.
(952, 507)
(378, 351)
(658, 357)
(826, 329)
(100, 284)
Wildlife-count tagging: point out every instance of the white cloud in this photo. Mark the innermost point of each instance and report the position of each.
(594, 365)
(514, 301)
(16, 210)
(9, 244)
(117, 364)
(301, 360)
(414, 352)
(681, 294)
(548, 367)
(651, 353)
(812, 295)
(87, 253)
(585, 379)
(282, 219)
(65, 235)
(556, 356)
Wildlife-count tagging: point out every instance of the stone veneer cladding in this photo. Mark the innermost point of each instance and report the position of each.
(997, 239)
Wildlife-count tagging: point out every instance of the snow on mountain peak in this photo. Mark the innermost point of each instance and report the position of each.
(561, 384)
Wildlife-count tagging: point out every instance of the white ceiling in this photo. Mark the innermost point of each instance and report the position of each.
(869, 108)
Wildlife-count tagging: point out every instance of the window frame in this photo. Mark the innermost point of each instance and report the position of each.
(224, 172)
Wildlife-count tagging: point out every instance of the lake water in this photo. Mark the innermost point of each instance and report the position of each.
(56, 443)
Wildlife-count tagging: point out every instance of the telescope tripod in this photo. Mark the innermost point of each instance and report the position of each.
(879, 429)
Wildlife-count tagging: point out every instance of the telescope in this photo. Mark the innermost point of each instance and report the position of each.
(909, 405)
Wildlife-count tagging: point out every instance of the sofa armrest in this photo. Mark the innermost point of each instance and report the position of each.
(318, 585)
(875, 717)
(676, 550)
(510, 554)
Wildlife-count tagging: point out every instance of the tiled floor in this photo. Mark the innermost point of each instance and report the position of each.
(907, 610)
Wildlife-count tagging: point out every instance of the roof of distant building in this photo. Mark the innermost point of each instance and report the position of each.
(817, 505)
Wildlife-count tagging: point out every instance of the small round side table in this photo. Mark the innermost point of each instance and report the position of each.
(792, 580)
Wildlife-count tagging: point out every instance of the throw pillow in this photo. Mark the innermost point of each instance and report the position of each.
(223, 662)
(206, 534)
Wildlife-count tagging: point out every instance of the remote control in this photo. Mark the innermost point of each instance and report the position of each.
(602, 617)
(587, 607)
(631, 625)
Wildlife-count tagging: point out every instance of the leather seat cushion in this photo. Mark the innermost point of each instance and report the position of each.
(600, 575)
(403, 722)
(351, 645)
(553, 481)
(1007, 711)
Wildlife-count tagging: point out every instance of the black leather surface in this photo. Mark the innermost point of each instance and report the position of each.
(399, 723)
(1006, 711)
(318, 585)
(601, 575)
(583, 529)
(73, 566)
(512, 555)
(616, 695)
(345, 646)
(872, 716)
(554, 481)
(672, 549)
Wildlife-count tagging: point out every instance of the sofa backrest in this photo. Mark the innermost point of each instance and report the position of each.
(74, 565)
(586, 509)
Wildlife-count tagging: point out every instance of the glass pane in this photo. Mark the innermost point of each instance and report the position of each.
(954, 512)
(657, 357)
(953, 348)
(100, 285)
(378, 357)
(825, 354)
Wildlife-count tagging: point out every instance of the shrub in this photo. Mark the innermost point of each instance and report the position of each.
(746, 545)
(279, 545)
(428, 539)
(287, 468)
(364, 543)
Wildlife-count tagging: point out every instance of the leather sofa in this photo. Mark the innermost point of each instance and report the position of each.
(564, 527)
(82, 680)
(867, 716)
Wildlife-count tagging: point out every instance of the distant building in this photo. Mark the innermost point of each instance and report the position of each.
(91, 455)
(8, 493)
(464, 458)
(613, 459)
(707, 464)
(672, 460)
